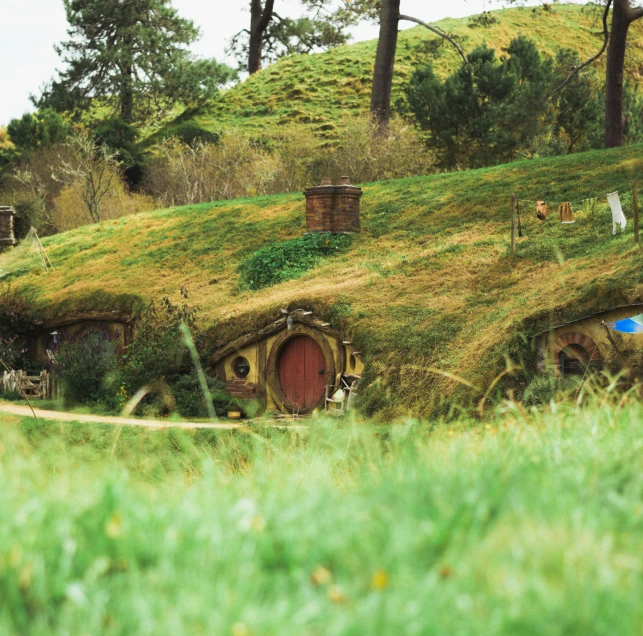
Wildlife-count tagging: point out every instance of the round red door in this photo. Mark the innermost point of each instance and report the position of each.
(302, 372)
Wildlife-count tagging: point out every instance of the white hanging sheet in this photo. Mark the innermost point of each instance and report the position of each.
(618, 218)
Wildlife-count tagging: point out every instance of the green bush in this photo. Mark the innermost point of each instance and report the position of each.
(189, 397)
(190, 133)
(157, 354)
(279, 262)
(16, 322)
(545, 388)
(11, 396)
(87, 368)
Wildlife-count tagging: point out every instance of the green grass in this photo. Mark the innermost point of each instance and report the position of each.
(316, 92)
(430, 281)
(530, 523)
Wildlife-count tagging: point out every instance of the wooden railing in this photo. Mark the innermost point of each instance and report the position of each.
(36, 387)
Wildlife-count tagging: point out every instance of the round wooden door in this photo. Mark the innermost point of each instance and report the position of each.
(302, 372)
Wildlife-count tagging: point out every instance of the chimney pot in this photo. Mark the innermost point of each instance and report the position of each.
(332, 208)
(326, 181)
(7, 238)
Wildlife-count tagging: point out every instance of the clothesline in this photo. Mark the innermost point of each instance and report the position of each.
(581, 201)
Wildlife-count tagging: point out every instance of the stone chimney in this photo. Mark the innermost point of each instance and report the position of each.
(333, 208)
(7, 238)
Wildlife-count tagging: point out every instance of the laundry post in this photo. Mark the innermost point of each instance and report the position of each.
(635, 205)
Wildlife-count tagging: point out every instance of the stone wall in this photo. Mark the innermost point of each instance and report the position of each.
(7, 238)
(333, 208)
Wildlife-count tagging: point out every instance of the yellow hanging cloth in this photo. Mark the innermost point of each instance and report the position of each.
(565, 213)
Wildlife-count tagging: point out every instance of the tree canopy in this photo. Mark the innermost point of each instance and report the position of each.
(132, 56)
(272, 35)
(492, 109)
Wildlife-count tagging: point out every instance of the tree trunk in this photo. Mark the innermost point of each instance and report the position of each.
(127, 96)
(385, 62)
(622, 17)
(259, 20)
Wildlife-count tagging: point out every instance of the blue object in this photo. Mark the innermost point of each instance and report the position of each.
(630, 325)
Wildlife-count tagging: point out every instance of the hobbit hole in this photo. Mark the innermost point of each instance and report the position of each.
(292, 365)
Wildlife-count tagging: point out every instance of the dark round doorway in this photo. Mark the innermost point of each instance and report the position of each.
(302, 372)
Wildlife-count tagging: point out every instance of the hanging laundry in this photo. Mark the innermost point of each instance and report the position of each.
(541, 210)
(566, 214)
(618, 218)
(589, 206)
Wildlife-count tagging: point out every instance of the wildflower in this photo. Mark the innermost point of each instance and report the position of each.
(240, 629)
(445, 572)
(258, 523)
(321, 576)
(113, 526)
(380, 580)
(335, 594)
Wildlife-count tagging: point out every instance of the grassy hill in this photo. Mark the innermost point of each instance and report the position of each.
(430, 282)
(317, 91)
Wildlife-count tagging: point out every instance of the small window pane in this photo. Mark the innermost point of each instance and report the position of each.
(241, 368)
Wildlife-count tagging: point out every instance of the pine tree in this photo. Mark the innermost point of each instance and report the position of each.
(131, 55)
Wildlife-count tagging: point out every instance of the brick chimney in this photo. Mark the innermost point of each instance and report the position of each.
(333, 208)
(7, 238)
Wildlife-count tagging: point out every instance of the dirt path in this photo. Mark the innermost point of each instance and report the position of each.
(25, 411)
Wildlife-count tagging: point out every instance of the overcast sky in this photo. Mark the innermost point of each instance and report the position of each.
(30, 28)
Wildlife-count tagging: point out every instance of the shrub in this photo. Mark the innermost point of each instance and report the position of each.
(16, 323)
(279, 262)
(69, 210)
(11, 396)
(190, 134)
(41, 130)
(189, 397)
(239, 165)
(365, 154)
(545, 388)
(86, 367)
(184, 174)
(122, 137)
(157, 353)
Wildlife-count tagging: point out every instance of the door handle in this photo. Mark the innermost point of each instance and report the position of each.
(322, 372)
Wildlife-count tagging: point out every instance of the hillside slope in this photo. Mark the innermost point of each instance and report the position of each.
(318, 91)
(429, 282)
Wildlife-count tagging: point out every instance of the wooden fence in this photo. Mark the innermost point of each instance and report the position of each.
(36, 387)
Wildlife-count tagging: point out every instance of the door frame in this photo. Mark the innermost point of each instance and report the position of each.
(272, 366)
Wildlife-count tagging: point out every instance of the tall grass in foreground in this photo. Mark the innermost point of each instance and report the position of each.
(529, 524)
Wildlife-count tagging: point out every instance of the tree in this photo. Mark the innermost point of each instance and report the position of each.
(385, 62)
(615, 43)
(95, 169)
(41, 130)
(622, 16)
(389, 19)
(486, 111)
(131, 55)
(272, 36)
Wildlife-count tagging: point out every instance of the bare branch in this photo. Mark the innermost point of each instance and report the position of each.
(606, 38)
(441, 33)
(636, 14)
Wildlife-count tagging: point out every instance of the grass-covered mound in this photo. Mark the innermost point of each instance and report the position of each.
(318, 91)
(430, 281)
(530, 524)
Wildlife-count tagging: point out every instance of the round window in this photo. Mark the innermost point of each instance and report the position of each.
(241, 367)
